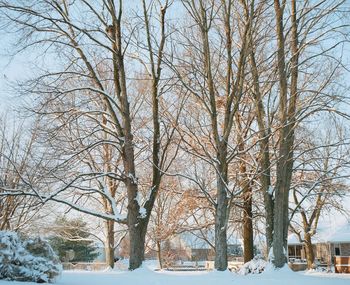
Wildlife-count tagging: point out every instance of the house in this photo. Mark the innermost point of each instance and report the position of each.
(191, 248)
(197, 249)
(327, 242)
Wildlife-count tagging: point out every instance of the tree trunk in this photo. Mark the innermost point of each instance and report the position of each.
(137, 247)
(135, 226)
(281, 210)
(109, 246)
(264, 162)
(248, 238)
(280, 227)
(309, 252)
(159, 254)
(221, 227)
(269, 215)
(286, 138)
(137, 234)
(245, 184)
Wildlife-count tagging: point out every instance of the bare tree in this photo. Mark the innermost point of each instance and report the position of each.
(173, 208)
(94, 54)
(288, 89)
(19, 158)
(211, 67)
(318, 184)
(223, 92)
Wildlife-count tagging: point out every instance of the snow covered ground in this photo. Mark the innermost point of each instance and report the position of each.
(146, 276)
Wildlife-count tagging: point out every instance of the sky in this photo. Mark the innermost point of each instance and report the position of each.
(17, 68)
(13, 68)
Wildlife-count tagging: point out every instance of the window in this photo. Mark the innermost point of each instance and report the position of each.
(298, 249)
(337, 249)
(291, 251)
(294, 251)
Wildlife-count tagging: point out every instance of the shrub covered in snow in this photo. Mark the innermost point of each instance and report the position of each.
(29, 260)
(255, 266)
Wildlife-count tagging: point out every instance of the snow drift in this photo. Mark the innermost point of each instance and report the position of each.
(256, 266)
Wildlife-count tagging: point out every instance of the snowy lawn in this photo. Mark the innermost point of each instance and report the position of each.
(148, 277)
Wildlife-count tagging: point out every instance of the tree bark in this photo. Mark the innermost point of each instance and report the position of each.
(264, 149)
(286, 139)
(309, 251)
(221, 227)
(159, 254)
(109, 246)
(245, 184)
(137, 235)
(248, 237)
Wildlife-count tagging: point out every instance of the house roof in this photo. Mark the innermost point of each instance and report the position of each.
(342, 235)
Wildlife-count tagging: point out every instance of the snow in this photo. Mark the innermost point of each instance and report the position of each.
(118, 217)
(143, 212)
(146, 276)
(256, 266)
(293, 239)
(133, 178)
(270, 190)
(271, 255)
(341, 235)
(31, 259)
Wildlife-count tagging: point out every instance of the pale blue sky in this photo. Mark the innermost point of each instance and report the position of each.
(11, 69)
(18, 67)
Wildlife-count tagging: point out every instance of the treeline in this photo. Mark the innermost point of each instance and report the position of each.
(183, 115)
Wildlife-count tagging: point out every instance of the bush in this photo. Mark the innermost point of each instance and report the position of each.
(30, 260)
(255, 266)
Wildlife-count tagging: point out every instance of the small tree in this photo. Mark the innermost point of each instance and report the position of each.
(319, 182)
(73, 236)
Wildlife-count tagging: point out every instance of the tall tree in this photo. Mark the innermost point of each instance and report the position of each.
(288, 89)
(214, 77)
(94, 53)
